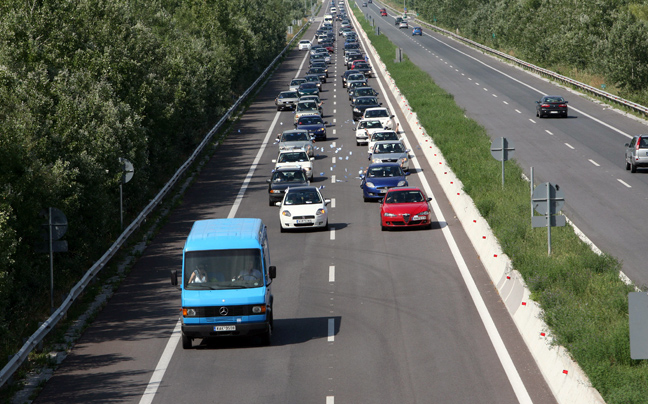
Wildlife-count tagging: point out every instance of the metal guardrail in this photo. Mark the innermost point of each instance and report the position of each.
(19, 358)
(603, 94)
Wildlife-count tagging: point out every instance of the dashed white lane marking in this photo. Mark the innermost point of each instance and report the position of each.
(518, 111)
(505, 102)
(495, 95)
(333, 203)
(532, 120)
(333, 178)
(333, 160)
(330, 400)
(570, 146)
(332, 273)
(594, 162)
(549, 132)
(332, 234)
(624, 183)
(331, 333)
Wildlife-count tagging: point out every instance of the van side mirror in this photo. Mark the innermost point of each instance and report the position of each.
(174, 277)
(272, 271)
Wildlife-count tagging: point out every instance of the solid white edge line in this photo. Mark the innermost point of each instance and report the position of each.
(498, 344)
(163, 363)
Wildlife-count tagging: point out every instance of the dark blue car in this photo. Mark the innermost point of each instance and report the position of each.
(417, 31)
(380, 177)
(314, 125)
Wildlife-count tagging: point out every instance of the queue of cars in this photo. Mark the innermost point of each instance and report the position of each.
(302, 205)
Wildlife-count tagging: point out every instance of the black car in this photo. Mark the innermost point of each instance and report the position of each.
(314, 124)
(362, 103)
(323, 65)
(398, 20)
(362, 92)
(314, 78)
(281, 179)
(308, 89)
(362, 67)
(321, 72)
(551, 105)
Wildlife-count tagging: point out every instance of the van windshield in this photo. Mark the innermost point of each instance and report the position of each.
(223, 269)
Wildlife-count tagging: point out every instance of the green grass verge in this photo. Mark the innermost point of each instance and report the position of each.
(585, 303)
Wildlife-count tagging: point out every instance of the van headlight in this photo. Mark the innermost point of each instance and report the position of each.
(258, 309)
(189, 312)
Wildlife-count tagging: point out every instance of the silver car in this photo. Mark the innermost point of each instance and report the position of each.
(296, 139)
(295, 83)
(636, 154)
(286, 100)
(390, 151)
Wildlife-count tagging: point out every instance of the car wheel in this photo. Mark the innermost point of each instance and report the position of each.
(633, 168)
(365, 199)
(627, 165)
(187, 342)
(281, 229)
(383, 228)
(270, 203)
(540, 114)
(326, 226)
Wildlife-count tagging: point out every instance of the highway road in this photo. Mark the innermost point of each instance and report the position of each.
(583, 153)
(361, 316)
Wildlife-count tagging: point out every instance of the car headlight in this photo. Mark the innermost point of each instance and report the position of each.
(376, 160)
(404, 160)
(320, 212)
(321, 130)
(286, 213)
(307, 168)
(189, 312)
(356, 110)
(387, 214)
(424, 213)
(258, 309)
(370, 184)
(401, 183)
(275, 191)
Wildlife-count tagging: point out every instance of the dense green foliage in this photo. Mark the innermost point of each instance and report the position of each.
(85, 82)
(585, 303)
(605, 38)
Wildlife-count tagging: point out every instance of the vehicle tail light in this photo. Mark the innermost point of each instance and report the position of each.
(638, 143)
(562, 105)
(545, 105)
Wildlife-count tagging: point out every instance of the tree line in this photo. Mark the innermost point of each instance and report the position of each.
(85, 82)
(606, 38)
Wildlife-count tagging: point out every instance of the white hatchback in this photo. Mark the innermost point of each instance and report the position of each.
(295, 157)
(303, 207)
(304, 45)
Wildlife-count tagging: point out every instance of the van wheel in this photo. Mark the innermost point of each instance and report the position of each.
(266, 338)
(633, 168)
(187, 343)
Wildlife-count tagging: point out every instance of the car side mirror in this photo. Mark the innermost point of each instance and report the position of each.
(326, 201)
(312, 159)
(272, 271)
(277, 203)
(537, 102)
(429, 199)
(268, 180)
(392, 117)
(274, 161)
(566, 102)
(407, 173)
(174, 277)
(627, 145)
(380, 103)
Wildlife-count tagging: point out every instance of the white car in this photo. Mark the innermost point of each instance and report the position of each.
(380, 136)
(295, 157)
(303, 207)
(382, 114)
(365, 128)
(305, 44)
(295, 83)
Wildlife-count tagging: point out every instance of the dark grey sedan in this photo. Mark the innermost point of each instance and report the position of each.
(551, 105)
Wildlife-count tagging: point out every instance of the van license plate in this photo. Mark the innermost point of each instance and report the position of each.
(224, 328)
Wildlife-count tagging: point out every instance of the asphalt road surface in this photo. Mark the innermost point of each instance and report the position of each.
(361, 315)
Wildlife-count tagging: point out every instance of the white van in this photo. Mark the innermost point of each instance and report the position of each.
(328, 18)
(333, 10)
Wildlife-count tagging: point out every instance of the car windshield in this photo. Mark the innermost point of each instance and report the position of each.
(554, 99)
(312, 78)
(364, 91)
(377, 113)
(356, 77)
(295, 137)
(306, 106)
(290, 94)
(371, 124)
(355, 84)
(411, 196)
(223, 269)
(380, 136)
(361, 65)
(293, 157)
(297, 82)
(366, 101)
(389, 148)
(310, 120)
(380, 172)
(302, 197)
(296, 176)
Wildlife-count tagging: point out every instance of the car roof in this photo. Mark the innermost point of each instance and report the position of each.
(384, 165)
(367, 97)
(389, 141)
(290, 168)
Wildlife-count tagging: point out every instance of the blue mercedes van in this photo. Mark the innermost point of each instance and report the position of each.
(225, 280)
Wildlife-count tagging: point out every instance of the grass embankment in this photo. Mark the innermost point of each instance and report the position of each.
(585, 303)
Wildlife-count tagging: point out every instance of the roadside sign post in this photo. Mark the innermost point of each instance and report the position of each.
(548, 199)
(57, 225)
(502, 149)
(127, 175)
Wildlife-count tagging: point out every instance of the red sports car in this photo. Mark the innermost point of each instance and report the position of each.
(405, 207)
